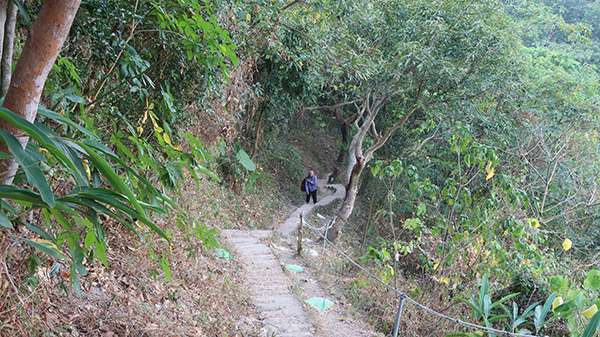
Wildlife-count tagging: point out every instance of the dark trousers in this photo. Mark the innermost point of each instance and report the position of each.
(314, 196)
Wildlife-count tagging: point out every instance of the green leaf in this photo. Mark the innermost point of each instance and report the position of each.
(295, 268)
(245, 160)
(24, 13)
(5, 205)
(593, 279)
(120, 186)
(222, 253)
(20, 194)
(38, 135)
(46, 247)
(319, 303)
(592, 326)
(90, 238)
(5, 221)
(32, 170)
(40, 232)
(208, 172)
(75, 281)
(53, 115)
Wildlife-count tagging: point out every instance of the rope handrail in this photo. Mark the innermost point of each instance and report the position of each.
(406, 297)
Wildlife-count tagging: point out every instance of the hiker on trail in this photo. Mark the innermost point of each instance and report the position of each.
(311, 187)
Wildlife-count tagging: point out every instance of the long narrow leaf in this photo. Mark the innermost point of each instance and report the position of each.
(101, 208)
(37, 134)
(53, 115)
(34, 174)
(5, 221)
(46, 247)
(5, 205)
(503, 299)
(20, 194)
(23, 12)
(39, 232)
(592, 326)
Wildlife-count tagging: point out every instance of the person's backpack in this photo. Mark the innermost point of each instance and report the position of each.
(303, 185)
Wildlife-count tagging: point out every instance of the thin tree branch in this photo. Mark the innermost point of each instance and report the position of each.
(332, 106)
(290, 4)
(570, 212)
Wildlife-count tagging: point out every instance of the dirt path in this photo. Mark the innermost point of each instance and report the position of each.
(273, 290)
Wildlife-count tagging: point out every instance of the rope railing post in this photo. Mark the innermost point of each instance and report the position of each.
(399, 316)
(300, 234)
(325, 241)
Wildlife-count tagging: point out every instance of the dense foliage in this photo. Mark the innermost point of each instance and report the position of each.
(476, 122)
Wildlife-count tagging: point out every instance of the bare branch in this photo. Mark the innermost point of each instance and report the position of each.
(552, 218)
(332, 106)
(290, 4)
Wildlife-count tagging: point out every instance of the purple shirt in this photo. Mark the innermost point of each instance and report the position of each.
(311, 185)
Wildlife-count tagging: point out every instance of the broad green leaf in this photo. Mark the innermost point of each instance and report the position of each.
(295, 268)
(593, 279)
(245, 160)
(23, 12)
(208, 172)
(319, 303)
(90, 238)
(120, 186)
(222, 253)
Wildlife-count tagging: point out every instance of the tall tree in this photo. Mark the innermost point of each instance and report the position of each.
(412, 57)
(44, 42)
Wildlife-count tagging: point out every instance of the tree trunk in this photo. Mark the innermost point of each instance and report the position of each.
(336, 175)
(3, 12)
(44, 42)
(348, 204)
(7, 47)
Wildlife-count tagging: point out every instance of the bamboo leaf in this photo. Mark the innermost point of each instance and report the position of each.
(20, 194)
(64, 120)
(34, 174)
(5, 221)
(40, 232)
(45, 247)
(592, 326)
(5, 205)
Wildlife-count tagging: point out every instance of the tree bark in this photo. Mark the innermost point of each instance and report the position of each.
(8, 47)
(44, 42)
(3, 13)
(348, 204)
(372, 104)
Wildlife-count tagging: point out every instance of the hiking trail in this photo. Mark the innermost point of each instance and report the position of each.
(275, 292)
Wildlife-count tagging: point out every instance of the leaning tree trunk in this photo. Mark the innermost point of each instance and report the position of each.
(8, 47)
(44, 42)
(348, 204)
